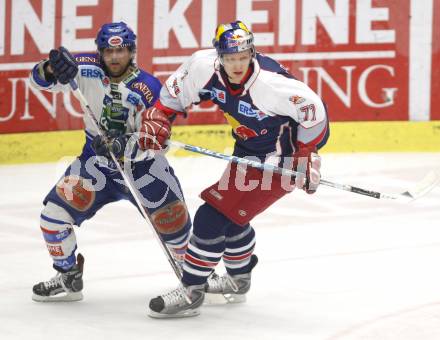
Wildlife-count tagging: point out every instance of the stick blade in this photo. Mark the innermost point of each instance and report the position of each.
(429, 182)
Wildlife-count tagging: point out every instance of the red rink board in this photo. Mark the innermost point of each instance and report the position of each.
(355, 54)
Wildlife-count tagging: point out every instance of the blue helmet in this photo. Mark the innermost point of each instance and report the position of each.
(115, 34)
(232, 38)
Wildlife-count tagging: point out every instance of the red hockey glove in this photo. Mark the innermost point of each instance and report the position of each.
(308, 163)
(155, 129)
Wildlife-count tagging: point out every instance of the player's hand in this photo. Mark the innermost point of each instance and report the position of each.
(308, 163)
(114, 141)
(155, 129)
(118, 145)
(63, 65)
(100, 146)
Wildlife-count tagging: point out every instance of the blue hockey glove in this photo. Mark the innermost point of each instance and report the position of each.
(100, 146)
(118, 146)
(63, 64)
(116, 142)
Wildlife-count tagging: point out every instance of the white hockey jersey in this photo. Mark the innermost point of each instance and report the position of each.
(273, 113)
(115, 105)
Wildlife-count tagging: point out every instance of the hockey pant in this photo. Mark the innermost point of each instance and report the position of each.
(85, 188)
(221, 226)
(243, 193)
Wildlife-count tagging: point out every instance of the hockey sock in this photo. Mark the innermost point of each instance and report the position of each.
(240, 244)
(206, 245)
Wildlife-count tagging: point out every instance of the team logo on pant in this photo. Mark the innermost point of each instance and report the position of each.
(170, 218)
(76, 192)
(242, 213)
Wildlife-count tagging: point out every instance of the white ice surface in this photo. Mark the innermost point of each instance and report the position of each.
(335, 265)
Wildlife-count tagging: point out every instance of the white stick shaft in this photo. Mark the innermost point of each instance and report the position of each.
(276, 169)
(77, 92)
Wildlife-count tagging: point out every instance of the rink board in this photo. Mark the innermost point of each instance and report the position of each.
(368, 60)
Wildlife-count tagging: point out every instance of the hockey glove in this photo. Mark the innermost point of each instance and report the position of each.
(155, 129)
(114, 141)
(63, 64)
(119, 144)
(308, 163)
(100, 146)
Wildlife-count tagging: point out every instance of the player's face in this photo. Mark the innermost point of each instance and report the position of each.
(236, 65)
(116, 59)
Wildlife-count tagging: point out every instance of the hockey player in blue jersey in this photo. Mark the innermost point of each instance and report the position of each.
(274, 118)
(121, 96)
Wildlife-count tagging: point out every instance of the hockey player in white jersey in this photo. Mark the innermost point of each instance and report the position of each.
(121, 96)
(274, 118)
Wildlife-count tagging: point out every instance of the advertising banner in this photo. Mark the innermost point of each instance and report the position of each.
(370, 60)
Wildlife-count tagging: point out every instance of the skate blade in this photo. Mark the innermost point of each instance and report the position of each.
(223, 299)
(64, 297)
(183, 314)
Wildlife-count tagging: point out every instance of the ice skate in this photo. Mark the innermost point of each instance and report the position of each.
(179, 303)
(63, 286)
(229, 288)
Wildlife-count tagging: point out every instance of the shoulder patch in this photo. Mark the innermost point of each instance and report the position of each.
(144, 90)
(297, 99)
(146, 85)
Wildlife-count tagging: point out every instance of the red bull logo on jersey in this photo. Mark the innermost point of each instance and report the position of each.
(247, 110)
(244, 132)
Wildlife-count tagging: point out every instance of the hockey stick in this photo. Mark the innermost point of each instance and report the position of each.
(422, 188)
(78, 94)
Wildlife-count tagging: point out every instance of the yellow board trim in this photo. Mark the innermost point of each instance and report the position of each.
(384, 137)
(36, 147)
